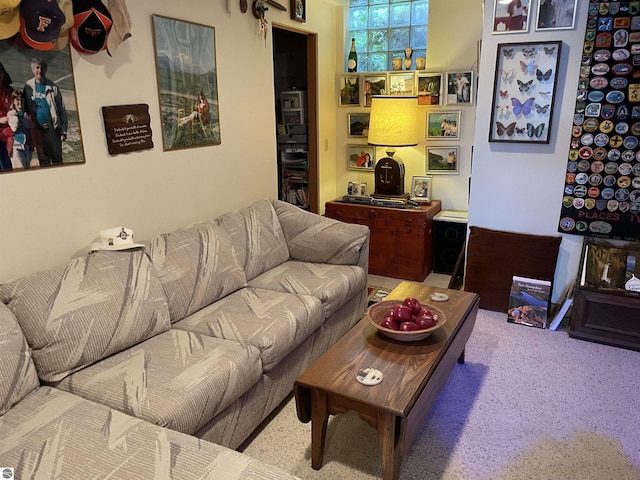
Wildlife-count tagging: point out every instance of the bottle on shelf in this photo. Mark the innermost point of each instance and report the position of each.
(352, 62)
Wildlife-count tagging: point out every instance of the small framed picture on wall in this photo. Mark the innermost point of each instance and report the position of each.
(443, 125)
(556, 15)
(430, 89)
(349, 90)
(442, 160)
(361, 157)
(359, 124)
(511, 17)
(460, 88)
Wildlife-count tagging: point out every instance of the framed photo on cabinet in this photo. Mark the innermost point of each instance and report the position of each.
(524, 88)
(420, 189)
(349, 90)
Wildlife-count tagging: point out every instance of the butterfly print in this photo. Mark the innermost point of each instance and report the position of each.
(527, 67)
(508, 130)
(543, 76)
(549, 51)
(508, 52)
(534, 131)
(541, 109)
(520, 131)
(525, 107)
(528, 52)
(544, 94)
(503, 109)
(504, 93)
(507, 75)
(524, 86)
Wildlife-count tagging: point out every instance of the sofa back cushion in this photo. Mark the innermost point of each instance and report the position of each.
(18, 375)
(257, 235)
(196, 266)
(95, 306)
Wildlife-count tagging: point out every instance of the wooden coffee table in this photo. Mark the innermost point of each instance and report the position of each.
(414, 374)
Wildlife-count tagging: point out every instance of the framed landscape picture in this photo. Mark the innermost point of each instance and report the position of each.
(443, 125)
(442, 160)
(374, 85)
(349, 90)
(359, 124)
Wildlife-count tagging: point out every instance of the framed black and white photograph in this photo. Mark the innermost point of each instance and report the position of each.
(420, 189)
(524, 90)
(359, 124)
(556, 14)
(429, 89)
(349, 90)
(442, 160)
(361, 157)
(28, 141)
(187, 83)
(374, 85)
(460, 88)
(511, 16)
(443, 125)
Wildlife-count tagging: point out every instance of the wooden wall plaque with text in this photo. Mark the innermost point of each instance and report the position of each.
(127, 128)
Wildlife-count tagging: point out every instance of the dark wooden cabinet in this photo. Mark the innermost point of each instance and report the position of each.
(401, 239)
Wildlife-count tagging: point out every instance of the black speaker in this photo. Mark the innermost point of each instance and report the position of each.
(448, 241)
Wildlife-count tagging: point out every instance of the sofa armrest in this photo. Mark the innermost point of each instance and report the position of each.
(314, 238)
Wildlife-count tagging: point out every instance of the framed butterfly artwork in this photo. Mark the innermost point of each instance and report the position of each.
(524, 90)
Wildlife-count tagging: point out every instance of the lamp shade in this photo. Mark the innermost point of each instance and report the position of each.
(393, 121)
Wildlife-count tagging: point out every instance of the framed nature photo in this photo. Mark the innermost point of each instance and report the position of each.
(299, 10)
(361, 157)
(443, 125)
(430, 89)
(401, 83)
(511, 17)
(349, 90)
(187, 83)
(524, 90)
(556, 14)
(460, 88)
(359, 124)
(374, 85)
(421, 189)
(441, 160)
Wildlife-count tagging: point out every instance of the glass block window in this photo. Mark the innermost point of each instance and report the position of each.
(384, 28)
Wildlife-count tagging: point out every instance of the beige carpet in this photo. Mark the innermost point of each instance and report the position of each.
(528, 404)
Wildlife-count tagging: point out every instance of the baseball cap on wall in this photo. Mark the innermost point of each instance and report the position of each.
(9, 18)
(116, 238)
(40, 23)
(92, 23)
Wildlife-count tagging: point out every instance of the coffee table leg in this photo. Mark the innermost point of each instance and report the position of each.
(389, 445)
(461, 357)
(319, 420)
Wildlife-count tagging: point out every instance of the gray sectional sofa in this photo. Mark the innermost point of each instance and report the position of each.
(156, 362)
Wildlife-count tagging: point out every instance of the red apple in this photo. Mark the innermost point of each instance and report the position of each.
(425, 322)
(390, 323)
(414, 304)
(402, 313)
(408, 326)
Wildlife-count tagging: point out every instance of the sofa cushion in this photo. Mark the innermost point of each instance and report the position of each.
(18, 375)
(257, 235)
(53, 434)
(177, 379)
(196, 266)
(333, 285)
(273, 322)
(312, 238)
(95, 306)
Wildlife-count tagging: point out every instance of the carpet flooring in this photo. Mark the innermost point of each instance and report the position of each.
(527, 404)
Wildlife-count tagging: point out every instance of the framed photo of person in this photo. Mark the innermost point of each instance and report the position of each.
(420, 189)
(359, 124)
(373, 85)
(189, 107)
(556, 14)
(460, 89)
(349, 90)
(361, 157)
(429, 89)
(524, 90)
(442, 160)
(511, 17)
(443, 125)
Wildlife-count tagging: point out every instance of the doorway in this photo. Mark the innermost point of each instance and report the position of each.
(295, 70)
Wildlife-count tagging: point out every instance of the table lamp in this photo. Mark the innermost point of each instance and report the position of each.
(392, 123)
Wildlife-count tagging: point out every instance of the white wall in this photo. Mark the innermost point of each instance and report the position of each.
(52, 214)
(451, 46)
(519, 187)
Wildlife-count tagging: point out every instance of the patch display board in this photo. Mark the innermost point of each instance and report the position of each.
(602, 184)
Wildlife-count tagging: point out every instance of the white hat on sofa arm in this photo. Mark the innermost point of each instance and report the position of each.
(116, 238)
